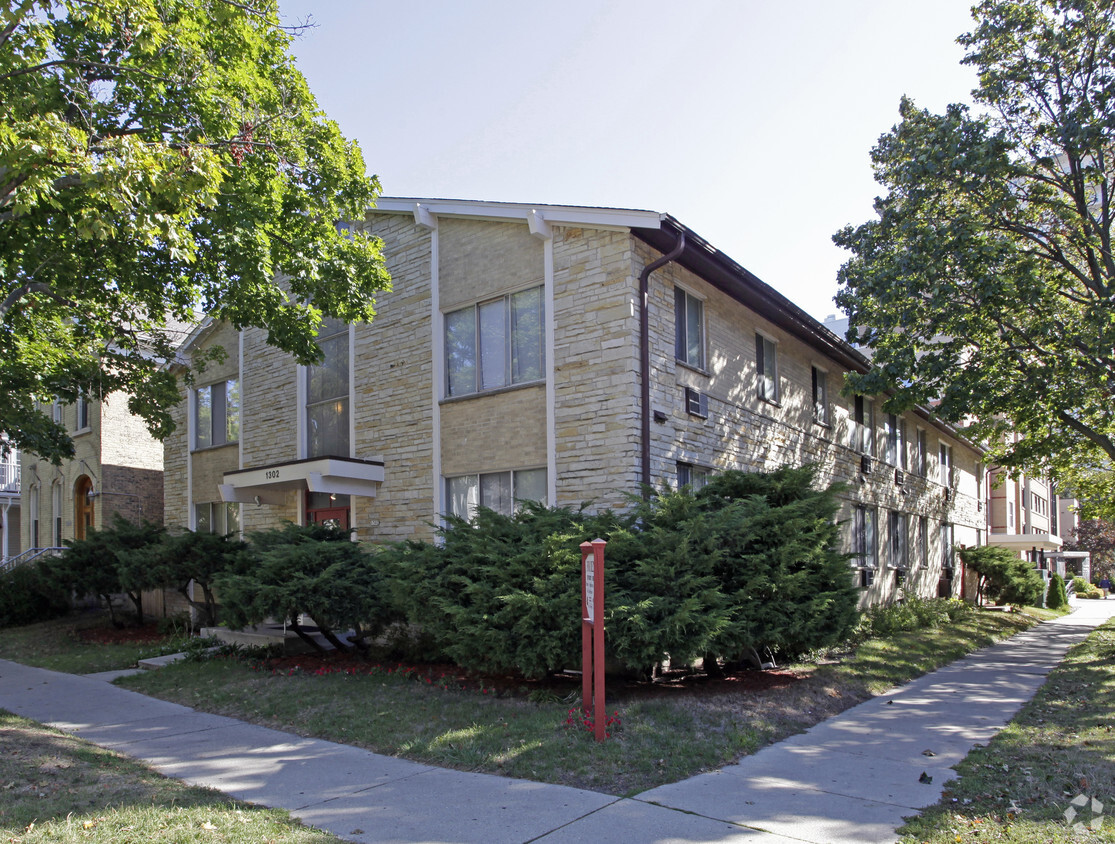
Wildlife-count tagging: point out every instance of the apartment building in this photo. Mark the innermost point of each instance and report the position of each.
(9, 504)
(562, 354)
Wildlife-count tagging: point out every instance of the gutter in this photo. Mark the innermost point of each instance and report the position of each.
(644, 355)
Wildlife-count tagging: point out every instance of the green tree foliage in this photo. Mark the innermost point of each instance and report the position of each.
(182, 558)
(95, 565)
(745, 564)
(314, 570)
(1055, 596)
(1004, 577)
(1097, 536)
(987, 281)
(159, 158)
(27, 596)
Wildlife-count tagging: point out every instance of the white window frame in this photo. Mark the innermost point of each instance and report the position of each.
(475, 490)
(822, 410)
(863, 426)
(944, 462)
(341, 400)
(509, 377)
(219, 405)
(217, 515)
(693, 476)
(922, 465)
(898, 539)
(767, 381)
(685, 302)
(865, 537)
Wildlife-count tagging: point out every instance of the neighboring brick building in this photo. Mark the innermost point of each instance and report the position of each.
(117, 468)
(506, 363)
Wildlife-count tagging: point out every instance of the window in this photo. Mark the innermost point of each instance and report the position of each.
(56, 514)
(34, 516)
(945, 461)
(863, 538)
(820, 396)
(217, 517)
(696, 403)
(1039, 505)
(327, 386)
(217, 412)
(56, 411)
(499, 491)
(923, 541)
(82, 412)
(896, 441)
(863, 432)
(923, 454)
(899, 538)
(689, 328)
(946, 545)
(692, 476)
(495, 344)
(766, 364)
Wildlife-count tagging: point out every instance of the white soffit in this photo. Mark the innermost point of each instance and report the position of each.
(562, 215)
(320, 474)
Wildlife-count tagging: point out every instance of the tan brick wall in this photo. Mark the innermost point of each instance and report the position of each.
(478, 260)
(596, 366)
(494, 433)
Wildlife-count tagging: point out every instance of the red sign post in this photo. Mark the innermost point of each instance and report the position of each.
(592, 633)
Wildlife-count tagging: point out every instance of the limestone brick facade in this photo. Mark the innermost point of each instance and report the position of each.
(569, 425)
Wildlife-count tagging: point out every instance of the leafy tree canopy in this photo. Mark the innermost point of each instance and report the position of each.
(1098, 537)
(158, 159)
(987, 281)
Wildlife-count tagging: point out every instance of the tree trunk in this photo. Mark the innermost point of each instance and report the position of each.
(305, 637)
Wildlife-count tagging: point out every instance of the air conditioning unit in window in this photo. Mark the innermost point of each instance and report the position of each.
(899, 477)
(948, 494)
(865, 464)
(696, 402)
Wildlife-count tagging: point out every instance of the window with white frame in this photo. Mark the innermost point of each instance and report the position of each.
(689, 328)
(766, 366)
(946, 546)
(895, 430)
(495, 344)
(923, 453)
(327, 388)
(217, 414)
(82, 412)
(499, 491)
(33, 499)
(56, 411)
(944, 462)
(897, 528)
(217, 517)
(863, 431)
(692, 476)
(820, 397)
(923, 541)
(1039, 505)
(863, 538)
(56, 514)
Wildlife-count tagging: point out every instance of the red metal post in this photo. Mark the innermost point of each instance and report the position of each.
(586, 632)
(599, 713)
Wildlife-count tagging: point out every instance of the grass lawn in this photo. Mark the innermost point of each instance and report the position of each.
(57, 788)
(1060, 745)
(664, 734)
(57, 646)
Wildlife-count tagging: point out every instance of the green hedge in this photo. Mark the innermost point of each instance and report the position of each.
(27, 596)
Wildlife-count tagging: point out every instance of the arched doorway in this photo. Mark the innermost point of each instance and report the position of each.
(83, 506)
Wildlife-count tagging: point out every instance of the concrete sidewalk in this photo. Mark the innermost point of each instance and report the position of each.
(849, 779)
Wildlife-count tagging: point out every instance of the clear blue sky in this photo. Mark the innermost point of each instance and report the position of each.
(750, 121)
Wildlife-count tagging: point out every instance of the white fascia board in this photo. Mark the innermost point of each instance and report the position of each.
(1026, 541)
(322, 474)
(562, 215)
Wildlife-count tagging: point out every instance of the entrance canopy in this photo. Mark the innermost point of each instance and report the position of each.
(1026, 541)
(270, 484)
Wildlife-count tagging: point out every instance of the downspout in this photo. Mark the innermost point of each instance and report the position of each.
(644, 354)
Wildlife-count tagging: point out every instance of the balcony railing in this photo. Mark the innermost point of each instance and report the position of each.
(9, 478)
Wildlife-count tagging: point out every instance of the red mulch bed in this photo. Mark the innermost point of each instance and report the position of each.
(670, 684)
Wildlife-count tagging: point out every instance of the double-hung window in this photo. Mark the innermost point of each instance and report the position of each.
(946, 545)
(923, 453)
(327, 387)
(766, 366)
(863, 538)
(945, 462)
(692, 476)
(896, 441)
(923, 541)
(820, 396)
(899, 538)
(495, 344)
(863, 432)
(82, 412)
(217, 517)
(499, 491)
(689, 328)
(217, 414)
